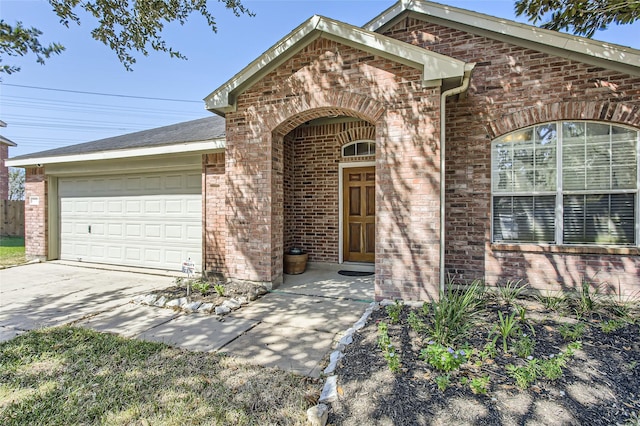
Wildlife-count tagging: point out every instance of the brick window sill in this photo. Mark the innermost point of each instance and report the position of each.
(537, 248)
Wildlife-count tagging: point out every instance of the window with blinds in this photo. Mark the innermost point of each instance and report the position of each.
(566, 183)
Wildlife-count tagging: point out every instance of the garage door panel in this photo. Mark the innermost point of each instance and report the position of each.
(142, 220)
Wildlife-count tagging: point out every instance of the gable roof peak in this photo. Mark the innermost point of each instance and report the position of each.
(435, 66)
(608, 55)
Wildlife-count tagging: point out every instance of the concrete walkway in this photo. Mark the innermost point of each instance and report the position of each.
(293, 328)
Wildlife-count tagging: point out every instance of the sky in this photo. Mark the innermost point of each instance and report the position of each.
(85, 94)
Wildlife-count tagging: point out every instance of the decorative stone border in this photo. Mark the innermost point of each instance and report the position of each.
(318, 414)
(183, 304)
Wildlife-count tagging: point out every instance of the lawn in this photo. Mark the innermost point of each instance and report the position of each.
(69, 375)
(11, 251)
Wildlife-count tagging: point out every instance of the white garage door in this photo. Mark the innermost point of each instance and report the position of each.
(147, 220)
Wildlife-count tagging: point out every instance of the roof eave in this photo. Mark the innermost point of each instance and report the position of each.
(182, 148)
(435, 67)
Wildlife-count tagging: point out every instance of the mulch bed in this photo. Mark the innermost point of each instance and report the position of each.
(600, 384)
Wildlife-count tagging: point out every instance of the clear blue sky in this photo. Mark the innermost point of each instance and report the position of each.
(42, 119)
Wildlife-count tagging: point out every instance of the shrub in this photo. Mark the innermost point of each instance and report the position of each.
(511, 291)
(201, 286)
(453, 314)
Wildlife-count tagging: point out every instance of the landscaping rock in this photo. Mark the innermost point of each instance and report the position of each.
(190, 306)
(222, 310)
(146, 299)
(318, 415)
(242, 300)
(232, 304)
(160, 302)
(206, 308)
(333, 361)
(330, 390)
(176, 302)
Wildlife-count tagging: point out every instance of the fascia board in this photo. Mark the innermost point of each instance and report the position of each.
(434, 66)
(569, 46)
(191, 147)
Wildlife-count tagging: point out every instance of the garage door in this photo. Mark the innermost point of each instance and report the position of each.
(146, 220)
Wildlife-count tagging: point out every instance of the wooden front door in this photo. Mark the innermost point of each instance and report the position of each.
(359, 216)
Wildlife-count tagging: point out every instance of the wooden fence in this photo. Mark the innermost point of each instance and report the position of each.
(11, 218)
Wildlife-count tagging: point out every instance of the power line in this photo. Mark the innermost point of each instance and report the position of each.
(100, 94)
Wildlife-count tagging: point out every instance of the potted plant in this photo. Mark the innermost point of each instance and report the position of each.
(295, 261)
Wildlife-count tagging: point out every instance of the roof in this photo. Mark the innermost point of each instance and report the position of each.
(188, 135)
(608, 55)
(6, 141)
(435, 67)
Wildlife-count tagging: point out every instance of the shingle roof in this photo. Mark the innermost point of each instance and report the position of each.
(204, 129)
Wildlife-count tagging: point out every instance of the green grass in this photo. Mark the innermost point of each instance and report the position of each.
(69, 375)
(11, 251)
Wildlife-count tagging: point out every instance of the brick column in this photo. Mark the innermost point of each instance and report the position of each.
(214, 213)
(35, 214)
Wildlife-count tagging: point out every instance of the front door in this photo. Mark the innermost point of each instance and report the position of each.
(359, 189)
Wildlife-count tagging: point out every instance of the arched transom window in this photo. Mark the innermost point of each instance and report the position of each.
(359, 149)
(567, 182)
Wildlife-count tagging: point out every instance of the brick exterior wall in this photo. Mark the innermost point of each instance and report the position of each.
(514, 87)
(4, 172)
(214, 214)
(328, 79)
(35, 216)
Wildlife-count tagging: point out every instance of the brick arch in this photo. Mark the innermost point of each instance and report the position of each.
(296, 111)
(356, 134)
(616, 112)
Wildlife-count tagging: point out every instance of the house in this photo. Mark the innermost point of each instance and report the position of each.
(4, 170)
(333, 141)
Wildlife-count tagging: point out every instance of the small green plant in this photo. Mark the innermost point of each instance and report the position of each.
(201, 286)
(524, 375)
(553, 303)
(524, 346)
(453, 315)
(443, 358)
(489, 351)
(388, 350)
(572, 332)
(416, 323)
(610, 326)
(394, 311)
(586, 302)
(479, 385)
(219, 288)
(511, 291)
(443, 382)
(551, 368)
(506, 327)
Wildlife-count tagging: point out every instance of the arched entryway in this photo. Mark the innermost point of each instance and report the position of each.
(328, 196)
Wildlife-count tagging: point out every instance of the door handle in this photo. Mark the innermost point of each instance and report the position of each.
(89, 228)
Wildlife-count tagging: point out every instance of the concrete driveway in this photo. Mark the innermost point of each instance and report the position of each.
(293, 328)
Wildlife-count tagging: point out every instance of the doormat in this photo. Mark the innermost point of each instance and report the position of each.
(355, 273)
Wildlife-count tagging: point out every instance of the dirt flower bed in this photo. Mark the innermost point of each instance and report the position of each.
(567, 362)
(214, 292)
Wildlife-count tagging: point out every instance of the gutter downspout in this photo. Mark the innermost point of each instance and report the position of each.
(468, 68)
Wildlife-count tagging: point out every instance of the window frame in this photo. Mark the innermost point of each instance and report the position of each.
(560, 193)
(355, 144)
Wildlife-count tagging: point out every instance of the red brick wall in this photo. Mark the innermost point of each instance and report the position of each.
(214, 213)
(513, 87)
(35, 216)
(327, 79)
